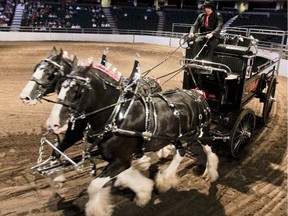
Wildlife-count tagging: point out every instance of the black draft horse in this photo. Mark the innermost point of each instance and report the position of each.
(129, 125)
(47, 78)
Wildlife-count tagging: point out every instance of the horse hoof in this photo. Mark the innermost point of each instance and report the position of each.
(164, 183)
(142, 199)
(198, 170)
(56, 179)
(213, 176)
(143, 163)
(57, 185)
(210, 177)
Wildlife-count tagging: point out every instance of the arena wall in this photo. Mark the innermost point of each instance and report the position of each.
(47, 36)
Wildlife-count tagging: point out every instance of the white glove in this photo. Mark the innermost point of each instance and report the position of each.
(191, 35)
(208, 36)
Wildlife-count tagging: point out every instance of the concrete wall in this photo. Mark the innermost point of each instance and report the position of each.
(46, 36)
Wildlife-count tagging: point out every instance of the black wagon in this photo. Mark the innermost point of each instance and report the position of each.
(238, 73)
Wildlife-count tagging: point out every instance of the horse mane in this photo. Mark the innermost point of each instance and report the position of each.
(114, 77)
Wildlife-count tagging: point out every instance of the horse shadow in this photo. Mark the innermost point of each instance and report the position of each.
(171, 203)
(237, 174)
(74, 207)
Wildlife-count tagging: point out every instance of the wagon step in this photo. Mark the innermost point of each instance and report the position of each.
(220, 131)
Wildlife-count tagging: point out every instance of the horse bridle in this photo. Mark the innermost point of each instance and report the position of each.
(52, 77)
(84, 84)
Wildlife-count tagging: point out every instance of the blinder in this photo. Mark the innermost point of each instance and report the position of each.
(52, 76)
(83, 85)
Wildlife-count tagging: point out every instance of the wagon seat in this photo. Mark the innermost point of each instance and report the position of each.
(224, 91)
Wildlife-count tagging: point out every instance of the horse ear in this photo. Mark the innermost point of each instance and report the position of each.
(59, 56)
(54, 51)
(61, 52)
(75, 62)
(88, 67)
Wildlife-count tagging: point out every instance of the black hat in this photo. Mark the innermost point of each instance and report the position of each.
(209, 4)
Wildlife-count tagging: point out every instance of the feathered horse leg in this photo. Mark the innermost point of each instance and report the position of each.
(134, 180)
(100, 203)
(211, 171)
(166, 151)
(168, 178)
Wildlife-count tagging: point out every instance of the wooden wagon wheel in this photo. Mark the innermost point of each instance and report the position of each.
(269, 100)
(241, 132)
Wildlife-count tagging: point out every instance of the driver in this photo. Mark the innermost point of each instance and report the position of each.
(209, 25)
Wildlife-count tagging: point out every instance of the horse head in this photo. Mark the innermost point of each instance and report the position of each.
(86, 90)
(46, 75)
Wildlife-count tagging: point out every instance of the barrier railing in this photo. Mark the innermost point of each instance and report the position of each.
(282, 47)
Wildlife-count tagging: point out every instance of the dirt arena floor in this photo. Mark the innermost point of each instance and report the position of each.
(254, 185)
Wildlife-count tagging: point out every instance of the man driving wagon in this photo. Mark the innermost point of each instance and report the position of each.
(205, 31)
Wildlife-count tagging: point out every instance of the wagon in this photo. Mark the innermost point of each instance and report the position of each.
(238, 73)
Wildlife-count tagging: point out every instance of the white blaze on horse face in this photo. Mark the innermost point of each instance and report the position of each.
(28, 94)
(54, 121)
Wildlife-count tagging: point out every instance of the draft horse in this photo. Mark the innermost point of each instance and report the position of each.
(130, 125)
(47, 78)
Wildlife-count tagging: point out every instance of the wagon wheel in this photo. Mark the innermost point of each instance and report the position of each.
(242, 131)
(269, 100)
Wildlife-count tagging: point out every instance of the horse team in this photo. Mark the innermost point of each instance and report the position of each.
(126, 118)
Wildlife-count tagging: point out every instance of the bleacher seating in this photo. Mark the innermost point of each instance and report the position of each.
(135, 18)
(173, 16)
(187, 17)
(274, 20)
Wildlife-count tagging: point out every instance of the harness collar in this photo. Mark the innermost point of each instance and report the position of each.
(115, 75)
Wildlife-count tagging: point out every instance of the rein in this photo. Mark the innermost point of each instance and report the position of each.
(83, 116)
(145, 73)
(176, 72)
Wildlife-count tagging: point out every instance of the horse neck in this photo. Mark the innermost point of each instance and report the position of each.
(103, 96)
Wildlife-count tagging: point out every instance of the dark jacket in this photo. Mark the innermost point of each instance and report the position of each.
(215, 24)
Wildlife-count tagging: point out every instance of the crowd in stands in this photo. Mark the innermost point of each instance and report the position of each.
(98, 19)
(7, 9)
(41, 16)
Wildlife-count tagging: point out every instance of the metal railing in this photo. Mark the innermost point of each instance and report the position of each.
(282, 47)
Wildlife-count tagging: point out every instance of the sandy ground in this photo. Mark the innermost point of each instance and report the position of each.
(253, 185)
